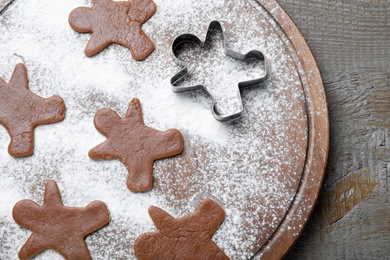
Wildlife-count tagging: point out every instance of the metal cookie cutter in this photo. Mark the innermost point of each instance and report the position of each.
(183, 73)
(4, 4)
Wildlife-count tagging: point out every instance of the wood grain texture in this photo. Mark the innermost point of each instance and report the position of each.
(351, 42)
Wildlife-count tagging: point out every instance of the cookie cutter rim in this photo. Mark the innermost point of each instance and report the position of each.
(180, 76)
(4, 4)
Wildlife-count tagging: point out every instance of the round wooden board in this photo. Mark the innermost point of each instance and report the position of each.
(318, 140)
(294, 216)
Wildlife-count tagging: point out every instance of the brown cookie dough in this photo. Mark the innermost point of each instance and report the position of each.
(134, 143)
(57, 227)
(183, 238)
(21, 111)
(115, 22)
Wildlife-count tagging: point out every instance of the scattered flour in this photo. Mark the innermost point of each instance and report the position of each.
(251, 166)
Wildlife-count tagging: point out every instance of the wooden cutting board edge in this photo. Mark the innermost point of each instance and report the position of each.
(318, 141)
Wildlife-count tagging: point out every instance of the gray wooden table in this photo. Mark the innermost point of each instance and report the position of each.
(350, 40)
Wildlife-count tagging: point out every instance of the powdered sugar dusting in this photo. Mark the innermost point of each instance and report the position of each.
(252, 166)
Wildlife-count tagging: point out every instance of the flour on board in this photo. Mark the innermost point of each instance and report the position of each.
(246, 165)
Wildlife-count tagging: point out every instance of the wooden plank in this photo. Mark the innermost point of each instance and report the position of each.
(351, 43)
(344, 35)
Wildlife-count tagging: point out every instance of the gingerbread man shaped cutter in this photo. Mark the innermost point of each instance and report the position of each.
(179, 77)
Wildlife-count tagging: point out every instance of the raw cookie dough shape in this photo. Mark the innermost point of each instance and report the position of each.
(134, 143)
(178, 81)
(21, 111)
(115, 22)
(57, 227)
(183, 238)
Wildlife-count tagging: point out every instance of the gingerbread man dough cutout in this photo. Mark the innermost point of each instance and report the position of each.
(115, 22)
(21, 111)
(57, 227)
(183, 238)
(135, 144)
